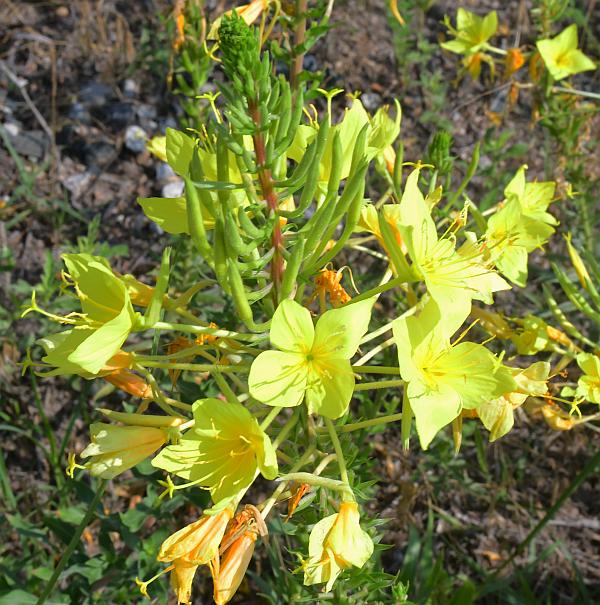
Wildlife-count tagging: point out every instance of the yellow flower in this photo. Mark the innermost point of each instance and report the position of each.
(336, 543)
(114, 449)
(228, 576)
(195, 544)
(561, 55)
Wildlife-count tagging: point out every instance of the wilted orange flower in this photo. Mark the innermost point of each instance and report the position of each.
(513, 62)
(328, 282)
(228, 575)
(130, 383)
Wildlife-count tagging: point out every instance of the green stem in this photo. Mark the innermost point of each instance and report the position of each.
(574, 91)
(268, 504)
(73, 543)
(378, 332)
(264, 425)
(312, 479)
(377, 290)
(287, 427)
(363, 424)
(382, 384)
(165, 325)
(225, 388)
(376, 370)
(194, 367)
(407, 416)
(337, 446)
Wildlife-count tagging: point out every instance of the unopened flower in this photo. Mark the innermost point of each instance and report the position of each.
(336, 543)
(248, 12)
(130, 383)
(229, 573)
(223, 451)
(114, 449)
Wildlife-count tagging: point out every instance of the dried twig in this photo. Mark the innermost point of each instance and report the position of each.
(20, 84)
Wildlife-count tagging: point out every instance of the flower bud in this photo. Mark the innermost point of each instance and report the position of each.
(228, 577)
(114, 449)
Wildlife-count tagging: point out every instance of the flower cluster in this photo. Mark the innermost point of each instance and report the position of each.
(269, 208)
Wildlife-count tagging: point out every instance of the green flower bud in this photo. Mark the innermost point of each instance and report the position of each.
(438, 152)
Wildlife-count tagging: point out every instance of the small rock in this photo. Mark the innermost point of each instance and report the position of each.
(146, 111)
(95, 94)
(164, 172)
(98, 153)
(29, 144)
(131, 88)
(79, 113)
(118, 115)
(77, 183)
(12, 128)
(371, 101)
(310, 63)
(62, 11)
(173, 189)
(135, 139)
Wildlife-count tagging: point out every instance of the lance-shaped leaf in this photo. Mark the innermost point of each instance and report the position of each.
(444, 378)
(223, 451)
(311, 363)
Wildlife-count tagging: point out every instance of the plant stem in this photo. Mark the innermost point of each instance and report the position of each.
(287, 427)
(337, 446)
(73, 543)
(264, 425)
(382, 384)
(378, 332)
(165, 325)
(268, 504)
(363, 424)
(407, 416)
(194, 367)
(376, 370)
(377, 290)
(299, 37)
(574, 91)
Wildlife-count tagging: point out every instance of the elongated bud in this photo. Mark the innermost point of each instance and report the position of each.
(233, 566)
(578, 264)
(130, 383)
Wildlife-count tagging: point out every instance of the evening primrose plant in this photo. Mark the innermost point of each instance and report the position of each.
(253, 413)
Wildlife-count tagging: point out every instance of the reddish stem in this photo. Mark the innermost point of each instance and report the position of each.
(268, 191)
